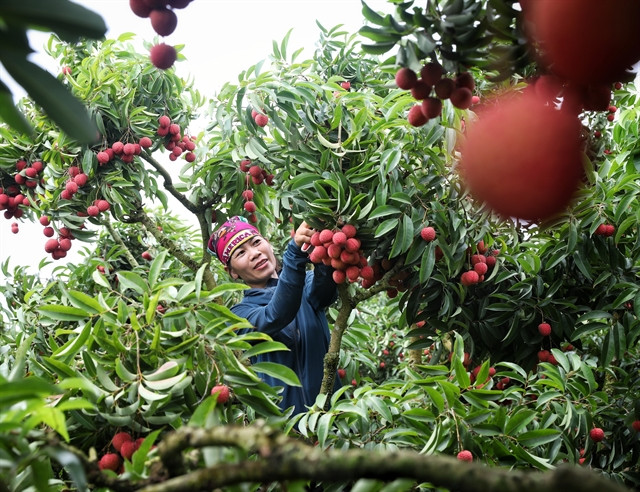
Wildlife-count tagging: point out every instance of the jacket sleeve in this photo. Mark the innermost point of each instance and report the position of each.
(322, 289)
(285, 302)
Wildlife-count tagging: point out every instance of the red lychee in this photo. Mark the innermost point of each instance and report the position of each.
(164, 121)
(147, 256)
(163, 21)
(469, 278)
(145, 142)
(415, 116)
(93, 211)
(127, 449)
(432, 107)
(222, 392)
(339, 276)
(537, 167)
(140, 8)
(596, 434)
(431, 73)
(406, 78)
(81, 179)
(465, 455)
(636, 425)
(428, 233)
(250, 206)
(261, 120)
(120, 438)
(110, 461)
(349, 230)
(163, 56)
(544, 329)
(461, 97)
(342, 373)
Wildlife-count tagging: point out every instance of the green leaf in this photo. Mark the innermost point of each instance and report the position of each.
(69, 20)
(69, 350)
(283, 373)
(539, 437)
(85, 302)
(263, 348)
(383, 211)
(62, 313)
(52, 96)
(10, 114)
(133, 281)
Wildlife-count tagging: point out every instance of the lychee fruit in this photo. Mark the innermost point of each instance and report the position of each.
(469, 278)
(120, 438)
(261, 120)
(428, 233)
(537, 167)
(163, 21)
(127, 449)
(544, 329)
(110, 461)
(465, 455)
(596, 434)
(222, 392)
(406, 78)
(635, 425)
(163, 56)
(416, 117)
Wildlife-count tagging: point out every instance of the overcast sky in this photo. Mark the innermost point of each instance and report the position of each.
(222, 38)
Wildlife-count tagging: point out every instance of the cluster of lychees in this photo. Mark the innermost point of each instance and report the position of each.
(59, 246)
(432, 88)
(163, 21)
(259, 117)
(125, 446)
(126, 152)
(605, 230)
(175, 142)
(340, 248)
(12, 198)
(481, 263)
(76, 181)
(256, 175)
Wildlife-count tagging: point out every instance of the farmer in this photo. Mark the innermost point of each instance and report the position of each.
(288, 303)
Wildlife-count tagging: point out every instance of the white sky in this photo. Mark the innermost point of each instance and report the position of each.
(222, 38)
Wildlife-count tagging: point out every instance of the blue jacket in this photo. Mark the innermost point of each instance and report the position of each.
(291, 310)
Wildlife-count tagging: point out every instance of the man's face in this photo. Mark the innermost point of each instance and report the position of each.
(253, 262)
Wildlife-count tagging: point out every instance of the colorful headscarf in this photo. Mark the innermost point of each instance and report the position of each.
(234, 232)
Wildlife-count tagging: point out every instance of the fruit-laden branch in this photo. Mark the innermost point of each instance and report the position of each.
(285, 458)
(168, 184)
(116, 237)
(175, 250)
(348, 303)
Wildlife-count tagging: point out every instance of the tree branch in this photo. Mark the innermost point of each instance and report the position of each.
(285, 458)
(168, 183)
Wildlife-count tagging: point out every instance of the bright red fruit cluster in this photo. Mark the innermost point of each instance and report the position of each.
(13, 197)
(174, 141)
(432, 88)
(605, 230)
(340, 248)
(125, 446)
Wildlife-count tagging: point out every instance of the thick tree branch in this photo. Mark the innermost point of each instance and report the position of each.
(168, 183)
(284, 458)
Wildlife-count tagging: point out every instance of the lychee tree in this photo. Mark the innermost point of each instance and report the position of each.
(440, 350)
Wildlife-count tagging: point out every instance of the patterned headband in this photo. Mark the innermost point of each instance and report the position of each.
(229, 236)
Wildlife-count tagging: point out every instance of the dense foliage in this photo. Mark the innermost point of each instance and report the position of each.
(134, 337)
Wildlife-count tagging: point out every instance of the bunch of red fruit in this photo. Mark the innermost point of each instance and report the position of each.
(163, 21)
(481, 263)
(175, 142)
(432, 88)
(10, 201)
(340, 248)
(606, 230)
(28, 175)
(126, 152)
(76, 181)
(259, 117)
(125, 446)
(57, 247)
(257, 176)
